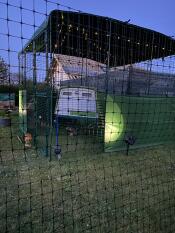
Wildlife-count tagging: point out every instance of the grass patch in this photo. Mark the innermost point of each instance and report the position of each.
(87, 190)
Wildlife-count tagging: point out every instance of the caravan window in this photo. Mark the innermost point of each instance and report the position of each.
(87, 95)
(67, 93)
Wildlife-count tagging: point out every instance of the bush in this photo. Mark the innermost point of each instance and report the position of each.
(10, 89)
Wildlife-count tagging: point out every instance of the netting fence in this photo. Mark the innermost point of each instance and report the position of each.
(87, 122)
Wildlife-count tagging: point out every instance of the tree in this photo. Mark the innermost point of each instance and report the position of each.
(4, 72)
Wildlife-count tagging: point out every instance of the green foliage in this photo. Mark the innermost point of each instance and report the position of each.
(4, 71)
(10, 89)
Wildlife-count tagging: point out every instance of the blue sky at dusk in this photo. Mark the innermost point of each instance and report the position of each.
(154, 14)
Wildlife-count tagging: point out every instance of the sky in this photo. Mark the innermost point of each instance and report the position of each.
(154, 14)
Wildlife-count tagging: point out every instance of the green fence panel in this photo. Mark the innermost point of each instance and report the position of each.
(151, 120)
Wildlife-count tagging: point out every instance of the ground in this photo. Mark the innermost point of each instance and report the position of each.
(87, 190)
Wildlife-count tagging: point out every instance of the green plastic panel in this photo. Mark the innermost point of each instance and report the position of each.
(22, 112)
(150, 120)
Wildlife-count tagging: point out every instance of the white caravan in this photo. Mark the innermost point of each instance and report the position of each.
(77, 102)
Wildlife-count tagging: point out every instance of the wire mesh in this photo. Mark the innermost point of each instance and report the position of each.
(87, 122)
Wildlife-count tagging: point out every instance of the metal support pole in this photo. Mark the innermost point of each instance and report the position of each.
(107, 67)
(34, 92)
(24, 73)
(49, 98)
(58, 147)
(19, 67)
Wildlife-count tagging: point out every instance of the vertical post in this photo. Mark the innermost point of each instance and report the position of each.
(34, 64)
(107, 68)
(48, 124)
(48, 43)
(22, 68)
(129, 81)
(108, 58)
(109, 47)
(57, 148)
(34, 91)
(47, 57)
(150, 69)
(24, 73)
(19, 67)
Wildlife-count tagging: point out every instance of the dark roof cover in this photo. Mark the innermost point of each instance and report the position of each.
(99, 38)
